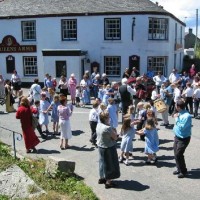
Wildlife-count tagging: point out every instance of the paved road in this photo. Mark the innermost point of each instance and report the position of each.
(138, 181)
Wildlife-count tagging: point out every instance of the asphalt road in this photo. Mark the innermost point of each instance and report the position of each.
(138, 181)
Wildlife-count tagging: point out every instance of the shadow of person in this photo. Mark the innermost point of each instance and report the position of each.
(83, 148)
(46, 151)
(194, 174)
(160, 164)
(77, 132)
(131, 185)
(170, 126)
(166, 148)
(163, 141)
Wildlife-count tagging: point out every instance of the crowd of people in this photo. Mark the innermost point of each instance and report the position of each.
(134, 96)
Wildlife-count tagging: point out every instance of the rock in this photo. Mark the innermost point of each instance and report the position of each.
(17, 185)
(55, 165)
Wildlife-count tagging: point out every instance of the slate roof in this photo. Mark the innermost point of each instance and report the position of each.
(44, 8)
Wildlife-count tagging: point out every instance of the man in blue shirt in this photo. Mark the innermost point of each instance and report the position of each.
(182, 131)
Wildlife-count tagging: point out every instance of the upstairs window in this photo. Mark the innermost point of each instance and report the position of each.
(28, 30)
(112, 29)
(112, 65)
(69, 29)
(158, 29)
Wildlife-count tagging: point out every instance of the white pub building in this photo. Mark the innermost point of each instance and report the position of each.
(71, 36)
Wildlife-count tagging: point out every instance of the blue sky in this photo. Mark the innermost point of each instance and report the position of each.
(185, 10)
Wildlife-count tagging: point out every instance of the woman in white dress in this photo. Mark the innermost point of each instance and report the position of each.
(64, 112)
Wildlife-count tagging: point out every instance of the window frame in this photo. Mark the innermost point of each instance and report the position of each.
(24, 66)
(62, 30)
(152, 27)
(155, 67)
(117, 70)
(23, 31)
(105, 29)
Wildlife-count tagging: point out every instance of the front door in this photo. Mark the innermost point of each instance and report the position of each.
(10, 64)
(61, 68)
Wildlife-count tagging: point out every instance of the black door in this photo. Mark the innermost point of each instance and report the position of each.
(61, 69)
(10, 64)
(134, 61)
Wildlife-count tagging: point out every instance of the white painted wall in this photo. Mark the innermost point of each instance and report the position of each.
(91, 39)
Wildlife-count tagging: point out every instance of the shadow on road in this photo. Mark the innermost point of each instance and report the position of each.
(194, 174)
(45, 151)
(83, 148)
(131, 185)
(164, 141)
(166, 148)
(77, 132)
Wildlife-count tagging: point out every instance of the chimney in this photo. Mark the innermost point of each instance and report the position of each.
(156, 3)
(190, 31)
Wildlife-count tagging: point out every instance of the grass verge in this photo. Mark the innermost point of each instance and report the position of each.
(63, 187)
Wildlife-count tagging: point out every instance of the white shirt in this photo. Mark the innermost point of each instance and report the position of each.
(174, 77)
(154, 95)
(93, 115)
(35, 91)
(131, 90)
(158, 80)
(188, 92)
(197, 93)
(177, 94)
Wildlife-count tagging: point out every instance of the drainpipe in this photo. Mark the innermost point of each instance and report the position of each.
(133, 24)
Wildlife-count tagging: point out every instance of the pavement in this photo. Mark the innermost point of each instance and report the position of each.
(138, 181)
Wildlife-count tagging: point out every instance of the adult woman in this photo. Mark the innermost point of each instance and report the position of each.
(9, 97)
(108, 159)
(16, 82)
(63, 85)
(72, 87)
(24, 113)
(64, 112)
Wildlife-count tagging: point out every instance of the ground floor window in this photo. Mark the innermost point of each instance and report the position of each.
(158, 64)
(30, 66)
(112, 65)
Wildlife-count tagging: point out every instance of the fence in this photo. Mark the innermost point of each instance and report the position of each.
(15, 135)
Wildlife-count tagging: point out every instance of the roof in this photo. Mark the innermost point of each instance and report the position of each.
(45, 8)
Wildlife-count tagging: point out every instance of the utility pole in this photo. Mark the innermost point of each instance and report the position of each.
(196, 45)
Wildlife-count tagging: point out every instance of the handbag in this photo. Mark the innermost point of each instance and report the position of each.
(34, 122)
(59, 87)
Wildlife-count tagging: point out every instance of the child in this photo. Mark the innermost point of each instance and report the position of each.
(151, 140)
(93, 120)
(112, 110)
(130, 113)
(54, 114)
(84, 95)
(54, 84)
(36, 106)
(128, 133)
(78, 95)
(43, 116)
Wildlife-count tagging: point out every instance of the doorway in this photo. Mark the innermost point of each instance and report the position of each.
(10, 64)
(61, 68)
(134, 61)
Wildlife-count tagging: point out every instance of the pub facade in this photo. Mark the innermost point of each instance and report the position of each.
(67, 38)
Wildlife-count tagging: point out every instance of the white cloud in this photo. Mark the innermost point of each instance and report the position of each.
(185, 10)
